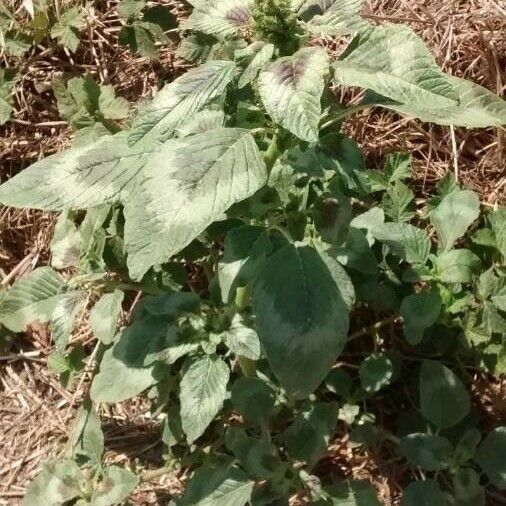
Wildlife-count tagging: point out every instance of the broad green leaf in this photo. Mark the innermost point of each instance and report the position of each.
(128, 9)
(222, 486)
(334, 17)
(291, 89)
(431, 453)
(219, 17)
(110, 106)
(399, 202)
(410, 243)
(257, 56)
(202, 121)
(58, 482)
(339, 382)
(376, 371)
(33, 298)
(182, 98)
(245, 250)
(419, 312)
(307, 438)
(356, 253)
(423, 493)
(66, 29)
(465, 449)
(443, 397)
(457, 266)
(242, 340)
(7, 83)
(258, 457)
(116, 485)
(64, 315)
(497, 221)
(81, 177)
(104, 316)
(477, 107)
(302, 317)
(368, 221)
(87, 439)
(203, 390)
(491, 457)
(467, 490)
(65, 243)
(393, 61)
(254, 399)
(171, 305)
(454, 215)
(130, 366)
(350, 493)
(204, 175)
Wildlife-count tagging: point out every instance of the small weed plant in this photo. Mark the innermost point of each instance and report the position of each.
(288, 292)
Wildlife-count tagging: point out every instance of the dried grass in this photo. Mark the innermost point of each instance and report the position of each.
(468, 39)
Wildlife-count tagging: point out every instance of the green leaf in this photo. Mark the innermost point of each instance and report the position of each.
(431, 453)
(467, 490)
(63, 317)
(128, 9)
(491, 457)
(110, 106)
(348, 413)
(350, 493)
(307, 438)
(33, 298)
(242, 340)
(423, 493)
(454, 215)
(398, 202)
(334, 18)
(245, 251)
(203, 390)
(204, 174)
(457, 266)
(202, 121)
(410, 243)
(87, 439)
(253, 399)
(356, 253)
(65, 243)
(7, 83)
(466, 446)
(497, 221)
(302, 316)
(376, 371)
(129, 367)
(182, 98)
(66, 29)
(443, 397)
(419, 312)
(104, 316)
(257, 56)
(394, 62)
(219, 17)
(477, 107)
(58, 482)
(220, 486)
(291, 89)
(116, 485)
(81, 177)
(339, 382)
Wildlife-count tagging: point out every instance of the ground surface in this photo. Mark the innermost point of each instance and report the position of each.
(468, 38)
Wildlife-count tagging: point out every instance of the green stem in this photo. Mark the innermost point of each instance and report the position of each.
(155, 474)
(344, 114)
(272, 153)
(372, 328)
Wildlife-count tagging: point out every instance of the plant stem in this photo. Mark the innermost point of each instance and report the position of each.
(272, 153)
(378, 325)
(344, 114)
(155, 473)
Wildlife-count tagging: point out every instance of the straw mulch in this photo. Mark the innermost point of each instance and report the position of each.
(36, 412)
